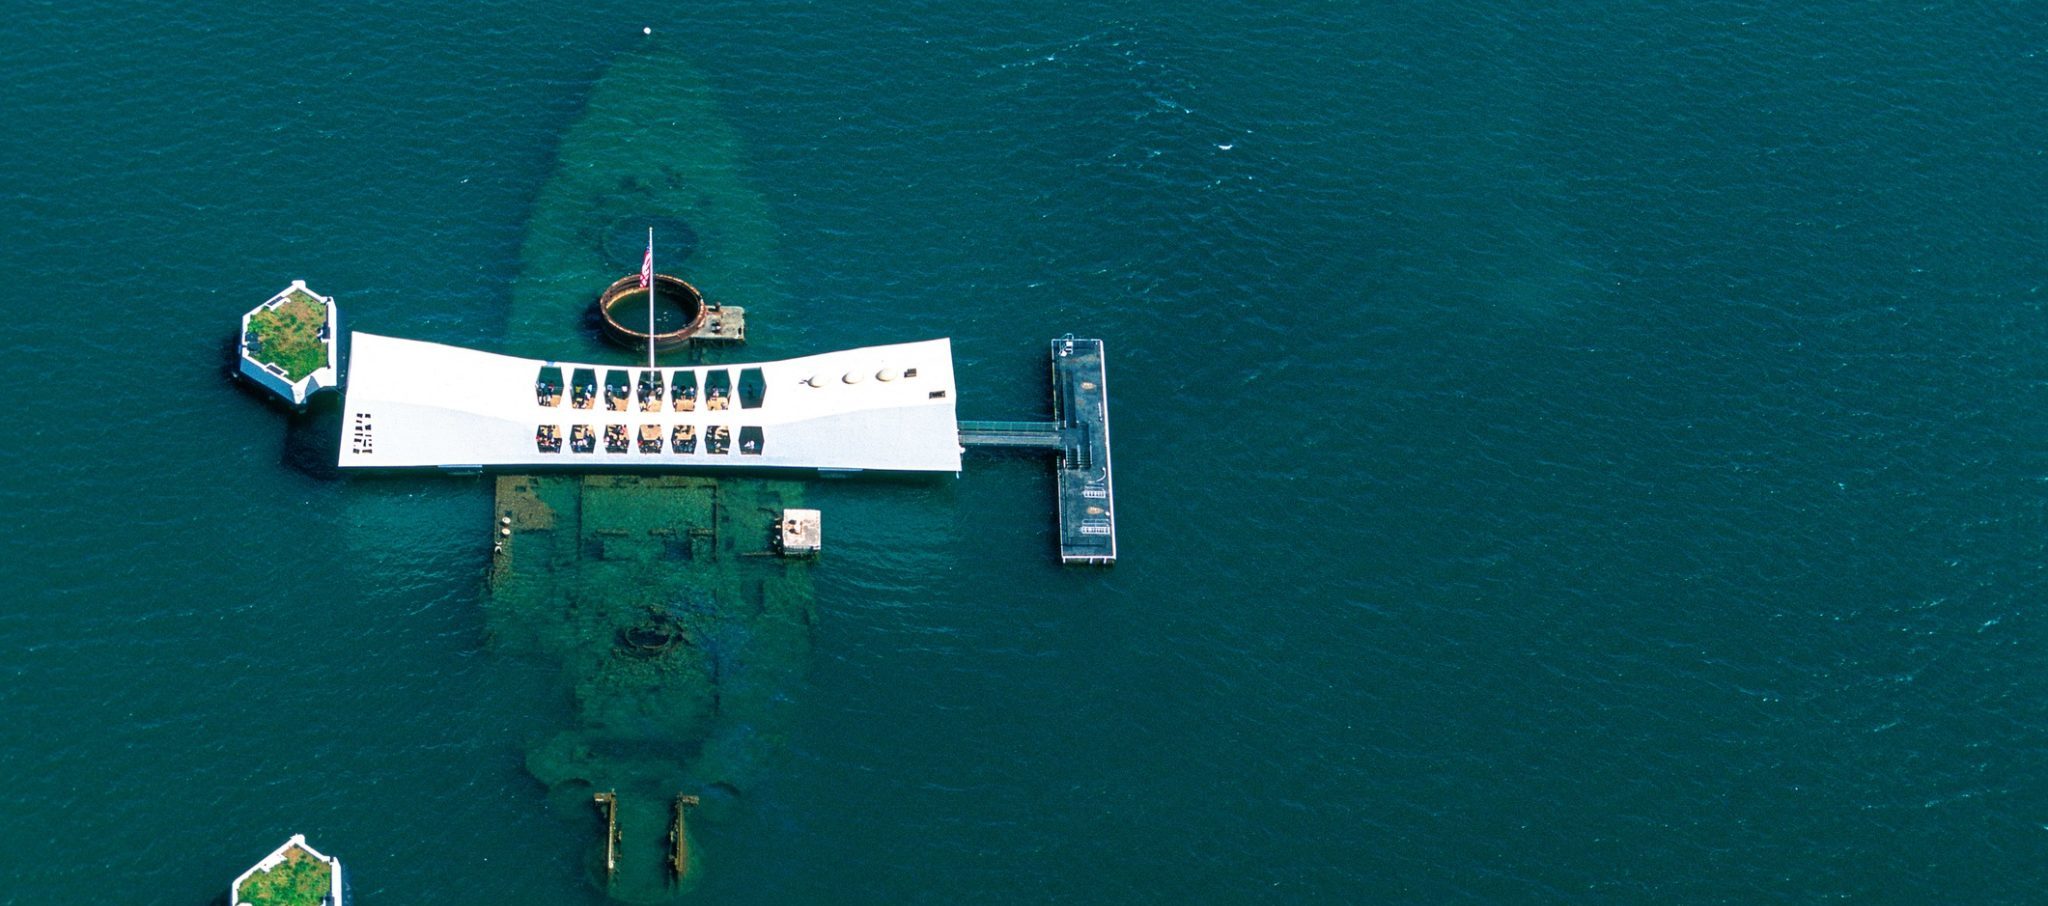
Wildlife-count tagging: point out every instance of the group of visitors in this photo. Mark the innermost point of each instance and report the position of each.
(548, 438)
(682, 439)
(650, 392)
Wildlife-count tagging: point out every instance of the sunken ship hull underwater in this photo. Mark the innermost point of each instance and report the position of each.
(677, 633)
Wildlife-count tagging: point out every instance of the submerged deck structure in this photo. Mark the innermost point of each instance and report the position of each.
(677, 636)
(412, 404)
(1079, 434)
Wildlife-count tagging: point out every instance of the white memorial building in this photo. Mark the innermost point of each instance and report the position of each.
(412, 404)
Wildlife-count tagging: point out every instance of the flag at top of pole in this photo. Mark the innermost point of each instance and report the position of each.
(647, 263)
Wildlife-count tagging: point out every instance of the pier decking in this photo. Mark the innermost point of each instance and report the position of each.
(1079, 432)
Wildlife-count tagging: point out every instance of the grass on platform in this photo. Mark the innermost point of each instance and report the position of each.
(290, 335)
(300, 880)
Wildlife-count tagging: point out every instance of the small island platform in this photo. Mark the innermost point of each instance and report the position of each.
(287, 345)
(294, 874)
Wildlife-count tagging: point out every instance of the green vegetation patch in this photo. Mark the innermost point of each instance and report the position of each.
(288, 336)
(300, 880)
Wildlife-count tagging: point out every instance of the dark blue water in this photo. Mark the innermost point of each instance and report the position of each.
(1585, 454)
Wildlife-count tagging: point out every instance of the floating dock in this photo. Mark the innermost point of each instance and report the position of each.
(1079, 433)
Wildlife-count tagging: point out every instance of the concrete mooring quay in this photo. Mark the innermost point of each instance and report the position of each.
(1079, 432)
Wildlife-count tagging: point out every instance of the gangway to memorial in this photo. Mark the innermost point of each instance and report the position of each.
(1027, 435)
(1079, 434)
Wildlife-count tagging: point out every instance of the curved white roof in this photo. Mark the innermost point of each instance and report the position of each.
(413, 404)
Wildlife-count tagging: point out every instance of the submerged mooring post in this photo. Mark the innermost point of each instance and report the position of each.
(679, 835)
(608, 803)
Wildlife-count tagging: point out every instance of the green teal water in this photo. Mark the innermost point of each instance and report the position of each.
(1579, 454)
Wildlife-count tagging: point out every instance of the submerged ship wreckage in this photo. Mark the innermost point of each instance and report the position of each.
(650, 539)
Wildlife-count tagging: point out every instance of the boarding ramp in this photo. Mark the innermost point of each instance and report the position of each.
(1016, 435)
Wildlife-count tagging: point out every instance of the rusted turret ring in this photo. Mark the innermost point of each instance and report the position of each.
(624, 304)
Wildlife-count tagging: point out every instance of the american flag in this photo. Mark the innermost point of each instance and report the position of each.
(647, 265)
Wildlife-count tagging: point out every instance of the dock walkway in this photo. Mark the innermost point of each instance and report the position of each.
(1079, 433)
(1039, 435)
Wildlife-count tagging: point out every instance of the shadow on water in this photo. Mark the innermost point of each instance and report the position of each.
(311, 436)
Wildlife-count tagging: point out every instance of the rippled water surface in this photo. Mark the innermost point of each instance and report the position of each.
(1583, 454)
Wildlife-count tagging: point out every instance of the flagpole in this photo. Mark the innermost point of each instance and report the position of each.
(650, 299)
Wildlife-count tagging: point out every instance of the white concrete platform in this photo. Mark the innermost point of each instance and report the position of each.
(273, 378)
(412, 404)
(336, 890)
(800, 532)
